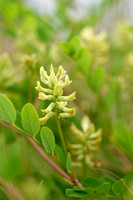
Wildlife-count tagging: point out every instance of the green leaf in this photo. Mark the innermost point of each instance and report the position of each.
(108, 179)
(111, 96)
(91, 182)
(77, 194)
(123, 137)
(109, 198)
(81, 55)
(128, 179)
(118, 189)
(72, 48)
(7, 110)
(60, 154)
(97, 79)
(103, 189)
(18, 119)
(84, 61)
(67, 48)
(30, 119)
(77, 188)
(48, 139)
(88, 189)
(68, 162)
(76, 45)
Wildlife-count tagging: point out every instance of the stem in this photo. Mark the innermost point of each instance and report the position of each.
(30, 91)
(47, 159)
(43, 155)
(117, 177)
(33, 137)
(84, 165)
(59, 129)
(20, 130)
(10, 190)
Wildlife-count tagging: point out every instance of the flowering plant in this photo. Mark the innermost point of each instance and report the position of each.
(53, 91)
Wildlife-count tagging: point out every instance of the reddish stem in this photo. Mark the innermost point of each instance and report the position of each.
(45, 157)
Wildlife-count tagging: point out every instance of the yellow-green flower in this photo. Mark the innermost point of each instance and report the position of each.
(7, 71)
(89, 141)
(96, 43)
(28, 63)
(53, 91)
(125, 79)
(123, 36)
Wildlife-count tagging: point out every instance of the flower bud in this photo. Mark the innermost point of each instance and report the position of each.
(91, 129)
(48, 109)
(43, 73)
(85, 123)
(75, 146)
(67, 98)
(92, 147)
(44, 119)
(51, 69)
(80, 157)
(63, 103)
(77, 132)
(64, 115)
(67, 82)
(41, 89)
(58, 91)
(96, 141)
(67, 110)
(52, 80)
(61, 72)
(96, 134)
(42, 96)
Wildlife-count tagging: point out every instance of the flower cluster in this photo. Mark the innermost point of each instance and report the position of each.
(53, 91)
(125, 79)
(28, 63)
(28, 42)
(123, 36)
(96, 44)
(7, 71)
(88, 142)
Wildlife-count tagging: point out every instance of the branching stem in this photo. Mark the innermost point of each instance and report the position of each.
(42, 154)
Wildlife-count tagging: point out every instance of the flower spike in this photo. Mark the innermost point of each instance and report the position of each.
(89, 141)
(53, 91)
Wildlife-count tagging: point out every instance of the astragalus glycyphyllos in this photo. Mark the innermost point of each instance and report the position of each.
(53, 91)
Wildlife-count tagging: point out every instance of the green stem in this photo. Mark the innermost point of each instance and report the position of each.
(20, 130)
(30, 91)
(59, 129)
(84, 165)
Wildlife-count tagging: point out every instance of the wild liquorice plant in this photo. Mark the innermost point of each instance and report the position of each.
(88, 143)
(27, 124)
(53, 91)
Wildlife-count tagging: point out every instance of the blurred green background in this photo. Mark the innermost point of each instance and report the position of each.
(93, 40)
